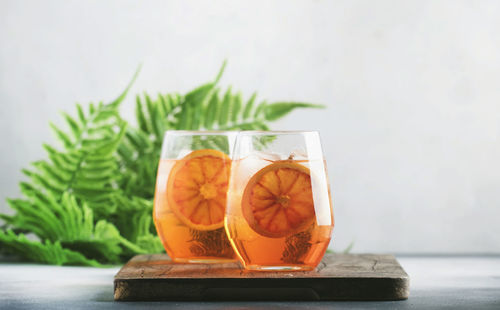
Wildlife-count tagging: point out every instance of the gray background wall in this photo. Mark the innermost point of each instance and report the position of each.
(411, 133)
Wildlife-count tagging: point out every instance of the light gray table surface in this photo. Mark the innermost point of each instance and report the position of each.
(444, 282)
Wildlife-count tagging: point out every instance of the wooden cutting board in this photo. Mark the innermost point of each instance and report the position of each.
(338, 277)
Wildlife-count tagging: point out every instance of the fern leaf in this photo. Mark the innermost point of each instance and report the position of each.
(249, 106)
(72, 124)
(225, 108)
(260, 110)
(165, 106)
(221, 72)
(92, 108)
(139, 113)
(62, 136)
(150, 243)
(81, 114)
(236, 107)
(212, 110)
(157, 117)
(183, 118)
(277, 110)
(115, 103)
(47, 252)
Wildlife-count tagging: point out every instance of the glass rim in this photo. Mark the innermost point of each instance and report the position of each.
(277, 132)
(185, 132)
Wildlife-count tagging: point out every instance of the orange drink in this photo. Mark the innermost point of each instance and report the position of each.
(279, 214)
(191, 194)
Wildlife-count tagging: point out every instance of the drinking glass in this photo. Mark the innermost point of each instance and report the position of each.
(190, 196)
(279, 212)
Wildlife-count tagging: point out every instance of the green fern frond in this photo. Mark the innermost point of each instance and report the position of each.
(277, 110)
(86, 167)
(51, 219)
(70, 224)
(151, 243)
(115, 103)
(204, 108)
(42, 252)
(139, 156)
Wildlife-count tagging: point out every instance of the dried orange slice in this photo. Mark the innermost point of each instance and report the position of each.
(278, 200)
(197, 189)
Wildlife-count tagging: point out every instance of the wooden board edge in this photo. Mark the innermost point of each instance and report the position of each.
(372, 289)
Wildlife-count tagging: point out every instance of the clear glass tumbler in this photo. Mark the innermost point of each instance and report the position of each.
(190, 196)
(279, 213)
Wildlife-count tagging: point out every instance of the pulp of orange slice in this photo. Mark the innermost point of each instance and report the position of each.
(278, 200)
(197, 189)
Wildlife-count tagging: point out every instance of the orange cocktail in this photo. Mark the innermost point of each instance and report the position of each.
(279, 214)
(189, 206)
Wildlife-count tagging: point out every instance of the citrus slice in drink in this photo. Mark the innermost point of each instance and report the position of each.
(278, 200)
(197, 189)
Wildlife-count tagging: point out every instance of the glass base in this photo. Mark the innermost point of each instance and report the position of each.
(278, 268)
(205, 260)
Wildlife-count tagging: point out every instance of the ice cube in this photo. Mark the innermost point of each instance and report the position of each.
(269, 156)
(299, 154)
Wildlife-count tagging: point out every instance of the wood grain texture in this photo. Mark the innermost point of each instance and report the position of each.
(338, 277)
